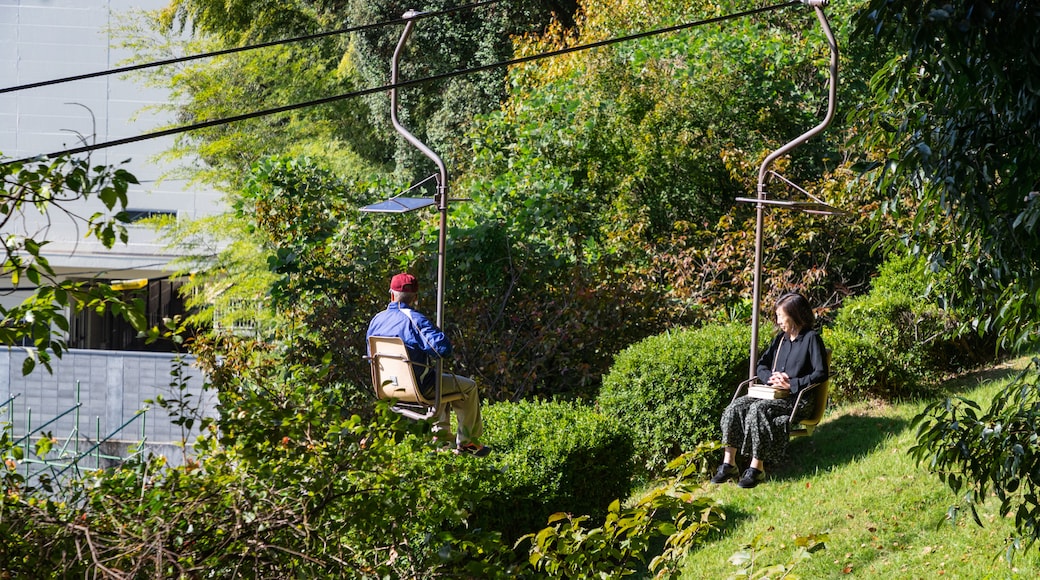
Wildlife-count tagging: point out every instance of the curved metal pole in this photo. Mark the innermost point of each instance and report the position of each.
(764, 169)
(442, 179)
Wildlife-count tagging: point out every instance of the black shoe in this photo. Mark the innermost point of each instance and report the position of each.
(751, 478)
(475, 449)
(725, 473)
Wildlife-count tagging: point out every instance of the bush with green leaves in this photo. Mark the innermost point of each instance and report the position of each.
(306, 490)
(555, 457)
(895, 340)
(675, 510)
(861, 368)
(670, 389)
(993, 453)
(364, 499)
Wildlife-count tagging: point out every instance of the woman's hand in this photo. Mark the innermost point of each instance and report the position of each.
(780, 381)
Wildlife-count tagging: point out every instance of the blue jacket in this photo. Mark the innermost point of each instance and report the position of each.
(424, 341)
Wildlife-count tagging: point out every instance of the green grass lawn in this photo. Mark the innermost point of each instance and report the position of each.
(884, 516)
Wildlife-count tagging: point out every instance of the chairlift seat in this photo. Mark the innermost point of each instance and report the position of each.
(393, 376)
(820, 392)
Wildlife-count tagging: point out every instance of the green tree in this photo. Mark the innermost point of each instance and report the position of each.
(981, 454)
(244, 82)
(952, 136)
(302, 265)
(439, 113)
(56, 190)
(610, 176)
(602, 190)
(355, 134)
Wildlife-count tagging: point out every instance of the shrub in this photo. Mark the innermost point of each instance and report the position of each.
(898, 335)
(556, 457)
(673, 518)
(368, 499)
(671, 388)
(861, 368)
(987, 455)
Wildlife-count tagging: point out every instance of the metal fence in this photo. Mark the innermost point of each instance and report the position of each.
(92, 409)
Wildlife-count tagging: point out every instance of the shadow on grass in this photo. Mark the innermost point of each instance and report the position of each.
(849, 437)
(837, 442)
(968, 382)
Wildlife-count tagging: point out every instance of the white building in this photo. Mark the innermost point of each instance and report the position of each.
(51, 39)
(54, 39)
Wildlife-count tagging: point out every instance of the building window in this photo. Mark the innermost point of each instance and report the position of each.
(136, 215)
(90, 330)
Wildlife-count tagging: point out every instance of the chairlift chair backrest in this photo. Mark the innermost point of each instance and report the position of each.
(820, 392)
(393, 376)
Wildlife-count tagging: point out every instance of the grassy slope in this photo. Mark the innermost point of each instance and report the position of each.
(854, 481)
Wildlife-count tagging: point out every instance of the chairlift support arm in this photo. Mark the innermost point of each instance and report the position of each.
(763, 172)
(442, 170)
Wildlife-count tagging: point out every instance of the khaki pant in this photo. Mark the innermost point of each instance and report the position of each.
(467, 410)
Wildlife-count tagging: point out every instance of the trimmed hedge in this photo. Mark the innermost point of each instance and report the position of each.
(861, 368)
(893, 342)
(671, 388)
(555, 457)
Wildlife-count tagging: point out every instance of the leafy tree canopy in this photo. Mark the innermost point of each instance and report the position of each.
(338, 64)
(952, 134)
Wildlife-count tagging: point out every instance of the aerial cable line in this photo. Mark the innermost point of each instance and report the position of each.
(178, 60)
(398, 85)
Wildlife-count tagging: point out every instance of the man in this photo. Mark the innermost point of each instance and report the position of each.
(425, 344)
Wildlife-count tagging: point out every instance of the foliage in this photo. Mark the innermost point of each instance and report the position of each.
(538, 335)
(633, 155)
(711, 272)
(439, 113)
(555, 457)
(979, 454)
(951, 138)
(354, 133)
(747, 559)
(675, 509)
(227, 272)
(297, 209)
(314, 491)
(670, 389)
(601, 190)
(303, 266)
(862, 369)
(901, 336)
(52, 189)
(229, 85)
(371, 500)
(645, 131)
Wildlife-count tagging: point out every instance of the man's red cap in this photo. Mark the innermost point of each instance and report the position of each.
(404, 282)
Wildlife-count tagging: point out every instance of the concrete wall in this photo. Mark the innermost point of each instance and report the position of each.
(112, 388)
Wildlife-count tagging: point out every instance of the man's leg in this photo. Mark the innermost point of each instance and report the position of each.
(467, 409)
(442, 426)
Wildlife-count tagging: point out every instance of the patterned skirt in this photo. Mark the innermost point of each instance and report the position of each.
(760, 428)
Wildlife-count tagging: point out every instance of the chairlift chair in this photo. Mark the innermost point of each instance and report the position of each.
(393, 373)
(393, 377)
(820, 392)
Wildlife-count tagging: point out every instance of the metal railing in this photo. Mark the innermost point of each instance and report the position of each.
(56, 460)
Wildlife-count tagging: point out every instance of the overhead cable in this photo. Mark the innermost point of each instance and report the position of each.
(187, 58)
(398, 85)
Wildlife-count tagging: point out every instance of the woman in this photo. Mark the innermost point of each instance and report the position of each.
(759, 427)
